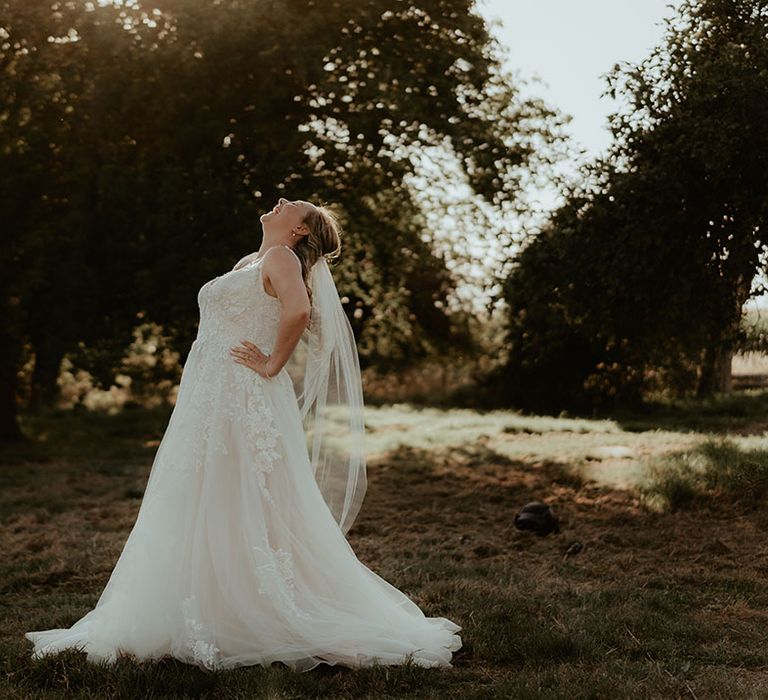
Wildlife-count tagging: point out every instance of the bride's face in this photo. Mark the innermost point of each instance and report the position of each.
(287, 214)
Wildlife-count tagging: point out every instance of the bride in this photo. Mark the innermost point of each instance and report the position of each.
(239, 554)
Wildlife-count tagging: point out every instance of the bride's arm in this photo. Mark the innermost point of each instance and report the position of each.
(284, 272)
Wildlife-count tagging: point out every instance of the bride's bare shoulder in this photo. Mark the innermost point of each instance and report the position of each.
(284, 254)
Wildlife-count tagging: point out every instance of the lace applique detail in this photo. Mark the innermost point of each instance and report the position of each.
(263, 437)
(204, 652)
(233, 306)
(250, 413)
(276, 577)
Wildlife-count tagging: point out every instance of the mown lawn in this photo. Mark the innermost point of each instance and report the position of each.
(667, 598)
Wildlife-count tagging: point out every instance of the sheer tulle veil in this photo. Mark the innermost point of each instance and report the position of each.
(325, 370)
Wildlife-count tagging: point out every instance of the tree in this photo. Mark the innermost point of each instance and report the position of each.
(696, 124)
(144, 143)
(642, 275)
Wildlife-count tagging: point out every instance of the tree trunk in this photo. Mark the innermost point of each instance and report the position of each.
(716, 370)
(716, 364)
(44, 389)
(9, 362)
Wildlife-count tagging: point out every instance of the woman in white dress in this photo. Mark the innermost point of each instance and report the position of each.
(238, 555)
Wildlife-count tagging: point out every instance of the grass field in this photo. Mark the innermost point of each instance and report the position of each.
(668, 597)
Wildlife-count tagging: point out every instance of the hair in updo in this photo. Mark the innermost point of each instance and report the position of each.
(324, 239)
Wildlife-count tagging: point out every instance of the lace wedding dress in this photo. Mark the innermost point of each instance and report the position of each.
(235, 558)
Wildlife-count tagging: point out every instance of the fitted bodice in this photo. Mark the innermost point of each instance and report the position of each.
(235, 306)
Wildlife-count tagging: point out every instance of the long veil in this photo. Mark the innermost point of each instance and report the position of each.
(325, 370)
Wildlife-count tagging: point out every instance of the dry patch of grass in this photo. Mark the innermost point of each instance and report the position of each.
(658, 603)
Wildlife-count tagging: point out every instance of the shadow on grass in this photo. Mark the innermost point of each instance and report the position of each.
(740, 411)
(648, 608)
(83, 434)
(744, 411)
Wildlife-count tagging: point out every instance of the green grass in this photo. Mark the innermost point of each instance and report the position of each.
(717, 470)
(666, 599)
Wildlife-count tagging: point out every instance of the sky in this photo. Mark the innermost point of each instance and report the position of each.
(569, 44)
(558, 50)
(563, 47)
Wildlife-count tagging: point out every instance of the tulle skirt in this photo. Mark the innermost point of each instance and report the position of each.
(235, 558)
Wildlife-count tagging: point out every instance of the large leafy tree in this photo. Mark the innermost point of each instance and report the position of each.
(642, 276)
(145, 140)
(696, 128)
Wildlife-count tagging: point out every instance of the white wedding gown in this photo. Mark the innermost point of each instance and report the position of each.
(235, 558)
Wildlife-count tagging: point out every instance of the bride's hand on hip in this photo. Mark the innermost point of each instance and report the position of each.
(249, 355)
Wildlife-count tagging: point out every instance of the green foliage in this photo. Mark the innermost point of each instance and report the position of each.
(639, 280)
(138, 147)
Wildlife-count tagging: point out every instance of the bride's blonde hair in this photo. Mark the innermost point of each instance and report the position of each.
(324, 238)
